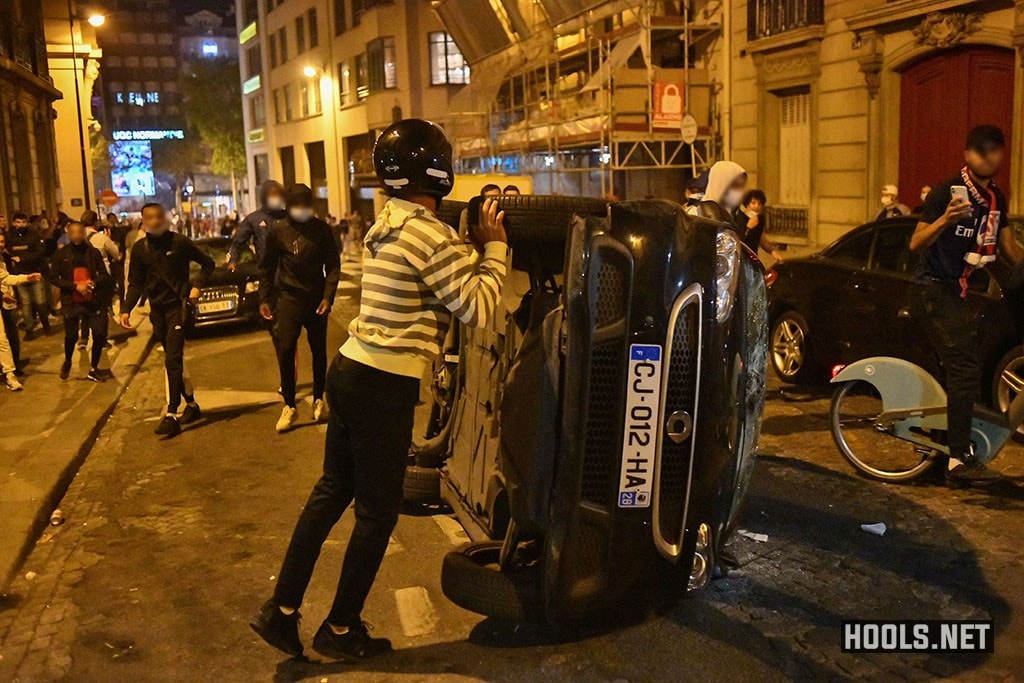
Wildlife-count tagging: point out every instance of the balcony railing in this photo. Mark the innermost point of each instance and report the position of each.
(772, 17)
(23, 47)
(786, 222)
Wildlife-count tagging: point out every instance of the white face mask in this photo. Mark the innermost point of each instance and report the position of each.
(301, 214)
(732, 198)
(888, 200)
(275, 202)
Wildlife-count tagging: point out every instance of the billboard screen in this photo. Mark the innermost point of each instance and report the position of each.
(131, 169)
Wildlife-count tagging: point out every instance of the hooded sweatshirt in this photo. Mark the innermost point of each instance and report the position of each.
(416, 274)
(256, 225)
(721, 176)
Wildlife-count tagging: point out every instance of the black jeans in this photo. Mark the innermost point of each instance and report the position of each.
(11, 330)
(368, 437)
(93, 318)
(169, 329)
(951, 326)
(291, 314)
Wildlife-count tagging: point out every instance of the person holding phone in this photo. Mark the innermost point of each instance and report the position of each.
(961, 227)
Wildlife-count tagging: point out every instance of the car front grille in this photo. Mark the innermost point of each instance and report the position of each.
(217, 293)
(681, 385)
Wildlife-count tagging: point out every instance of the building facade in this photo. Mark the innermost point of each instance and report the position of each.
(322, 78)
(832, 99)
(28, 157)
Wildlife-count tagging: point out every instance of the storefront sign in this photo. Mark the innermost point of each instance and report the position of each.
(125, 135)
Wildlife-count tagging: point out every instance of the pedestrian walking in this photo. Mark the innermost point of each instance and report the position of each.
(891, 206)
(159, 269)
(28, 257)
(85, 285)
(418, 273)
(963, 223)
(9, 343)
(254, 228)
(299, 275)
(96, 235)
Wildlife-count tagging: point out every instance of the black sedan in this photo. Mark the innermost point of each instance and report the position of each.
(851, 302)
(227, 297)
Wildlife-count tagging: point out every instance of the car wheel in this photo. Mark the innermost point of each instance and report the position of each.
(450, 212)
(790, 351)
(472, 579)
(1008, 381)
(422, 485)
(539, 219)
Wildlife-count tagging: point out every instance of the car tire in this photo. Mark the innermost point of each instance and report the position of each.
(789, 349)
(470, 578)
(541, 219)
(422, 485)
(1002, 394)
(451, 211)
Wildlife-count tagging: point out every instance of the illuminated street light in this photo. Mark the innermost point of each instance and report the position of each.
(96, 20)
(309, 71)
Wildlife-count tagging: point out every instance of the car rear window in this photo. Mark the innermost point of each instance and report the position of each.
(854, 251)
(892, 251)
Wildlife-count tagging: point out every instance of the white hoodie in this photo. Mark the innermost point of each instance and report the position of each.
(721, 176)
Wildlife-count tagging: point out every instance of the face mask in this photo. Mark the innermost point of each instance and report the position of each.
(158, 230)
(300, 214)
(888, 200)
(275, 203)
(732, 198)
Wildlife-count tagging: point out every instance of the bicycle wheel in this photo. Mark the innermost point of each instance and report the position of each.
(867, 445)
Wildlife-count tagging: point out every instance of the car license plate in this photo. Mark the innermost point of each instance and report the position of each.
(643, 396)
(216, 306)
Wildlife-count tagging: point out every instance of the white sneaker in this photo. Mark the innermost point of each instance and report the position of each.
(12, 382)
(287, 419)
(320, 410)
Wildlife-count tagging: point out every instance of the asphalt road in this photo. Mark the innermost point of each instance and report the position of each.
(170, 546)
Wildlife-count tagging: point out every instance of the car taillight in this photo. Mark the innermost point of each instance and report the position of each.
(836, 369)
(770, 276)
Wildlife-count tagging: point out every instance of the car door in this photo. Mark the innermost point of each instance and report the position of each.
(839, 302)
(888, 327)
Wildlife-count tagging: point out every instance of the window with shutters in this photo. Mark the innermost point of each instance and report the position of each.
(340, 17)
(300, 35)
(314, 30)
(795, 148)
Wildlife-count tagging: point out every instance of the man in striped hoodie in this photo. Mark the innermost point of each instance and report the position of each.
(417, 275)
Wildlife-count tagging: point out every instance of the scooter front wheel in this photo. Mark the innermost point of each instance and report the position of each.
(867, 444)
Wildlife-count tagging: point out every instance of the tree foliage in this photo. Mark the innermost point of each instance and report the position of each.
(213, 107)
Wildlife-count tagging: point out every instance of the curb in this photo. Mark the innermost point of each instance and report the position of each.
(129, 360)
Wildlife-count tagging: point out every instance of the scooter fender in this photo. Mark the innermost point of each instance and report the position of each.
(902, 386)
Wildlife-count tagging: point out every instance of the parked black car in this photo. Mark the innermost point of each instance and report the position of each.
(851, 302)
(597, 439)
(226, 297)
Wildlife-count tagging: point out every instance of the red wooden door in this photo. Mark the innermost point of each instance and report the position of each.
(941, 98)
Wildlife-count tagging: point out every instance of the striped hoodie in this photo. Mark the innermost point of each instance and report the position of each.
(416, 274)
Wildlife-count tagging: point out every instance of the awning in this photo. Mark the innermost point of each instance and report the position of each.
(617, 59)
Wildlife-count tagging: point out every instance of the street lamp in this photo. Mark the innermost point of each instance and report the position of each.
(309, 71)
(78, 103)
(96, 20)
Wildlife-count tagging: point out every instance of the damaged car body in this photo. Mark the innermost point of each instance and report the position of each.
(597, 440)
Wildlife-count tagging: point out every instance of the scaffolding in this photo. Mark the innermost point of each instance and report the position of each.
(579, 104)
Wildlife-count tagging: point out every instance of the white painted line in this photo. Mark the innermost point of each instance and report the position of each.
(451, 528)
(416, 611)
(393, 546)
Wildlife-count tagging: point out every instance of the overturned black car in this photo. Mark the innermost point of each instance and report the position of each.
(597, 439)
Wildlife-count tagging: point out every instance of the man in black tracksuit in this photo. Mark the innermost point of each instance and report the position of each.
(28, 256)
(299, 275)
(160, 269)
(77, 269)
(256, 226)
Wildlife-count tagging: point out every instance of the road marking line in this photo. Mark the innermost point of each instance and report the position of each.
(451, 528)
(393, 546)
(416, 611)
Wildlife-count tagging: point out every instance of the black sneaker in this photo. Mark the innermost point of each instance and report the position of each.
(95, 375)
(278, 629)
(971, 473)
(353, 646)
(190, 414)
(65, 369)
(168, 426)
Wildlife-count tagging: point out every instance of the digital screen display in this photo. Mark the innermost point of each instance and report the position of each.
(131, 169)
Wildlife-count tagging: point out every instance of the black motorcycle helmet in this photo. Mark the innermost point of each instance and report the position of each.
(413, 156)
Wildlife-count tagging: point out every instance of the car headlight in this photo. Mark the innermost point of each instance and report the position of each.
(252, 286)
(726, 268)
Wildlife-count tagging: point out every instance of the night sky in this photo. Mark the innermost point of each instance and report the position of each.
(185, 7)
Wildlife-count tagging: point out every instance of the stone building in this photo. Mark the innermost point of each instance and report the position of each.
(322, 78)
(28, 158)
(832, 99)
